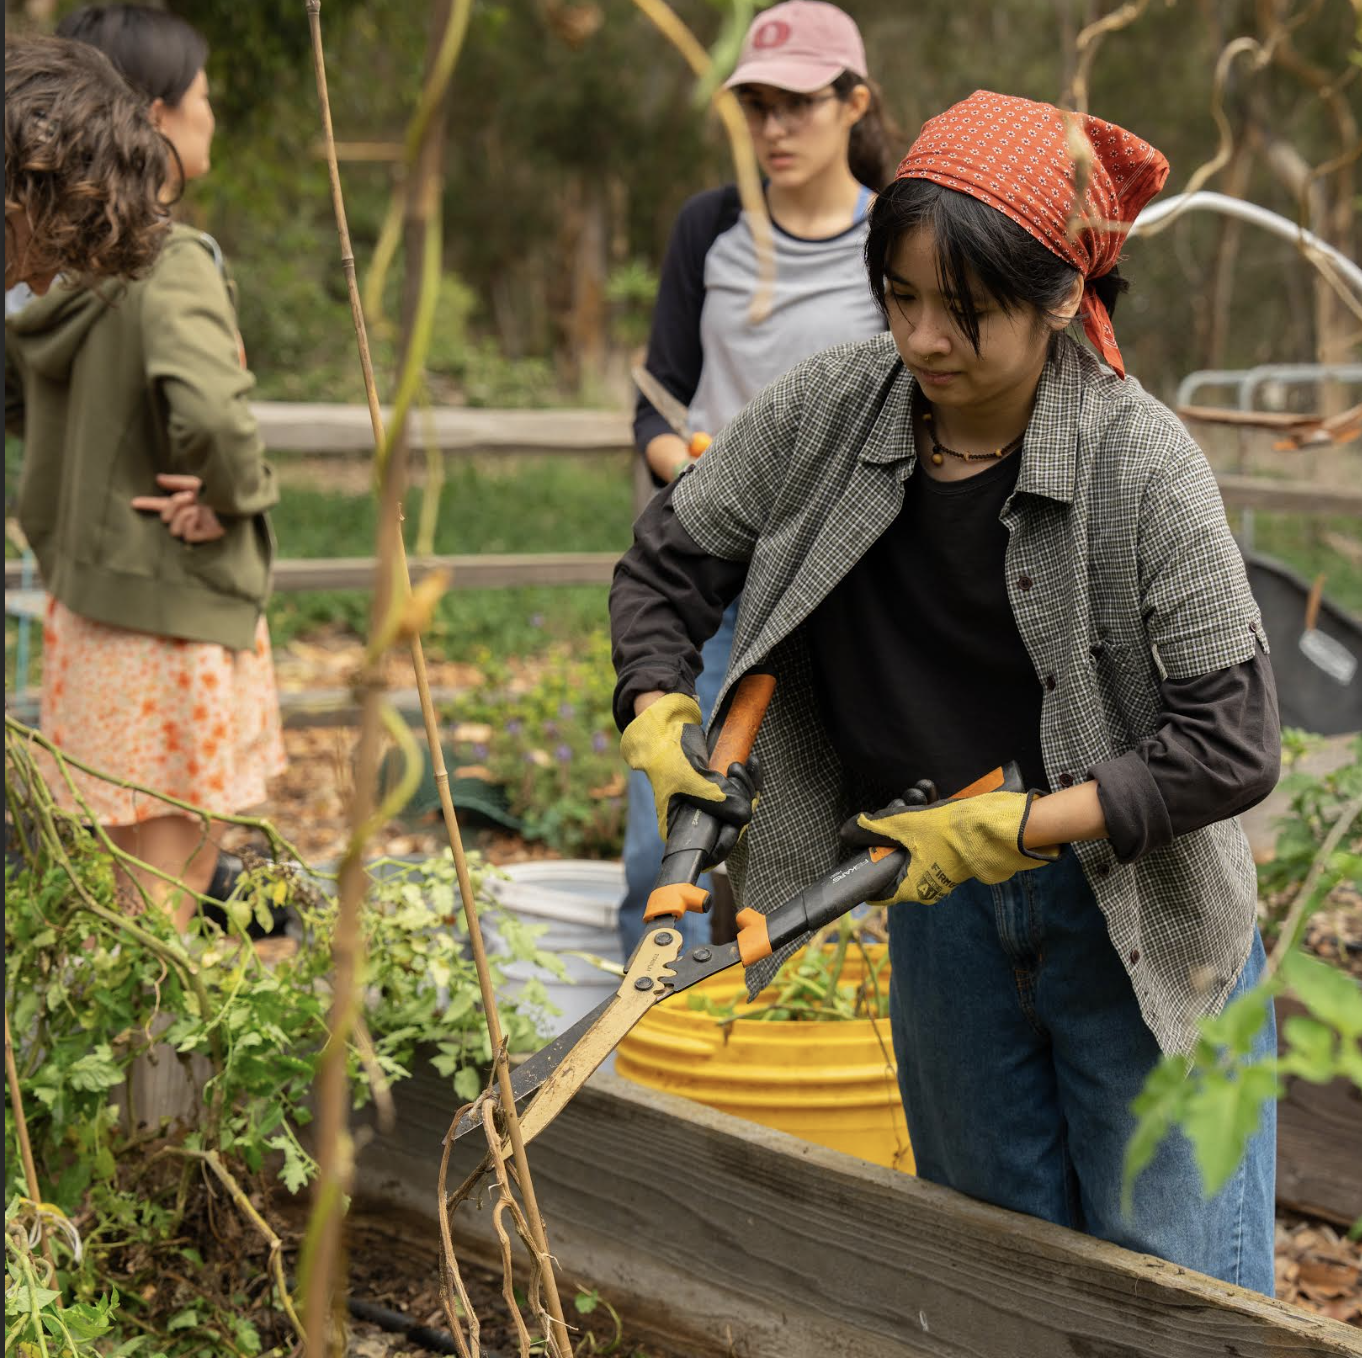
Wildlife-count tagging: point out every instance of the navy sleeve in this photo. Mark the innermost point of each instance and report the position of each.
(675, 356)
(1217, 754)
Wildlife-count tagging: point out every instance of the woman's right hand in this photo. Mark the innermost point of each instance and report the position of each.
(180, 510)
(668, 456)
(667, 742)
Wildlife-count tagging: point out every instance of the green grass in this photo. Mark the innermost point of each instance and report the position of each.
(1299, 542)
(501, 622)
(540, 504)
(525, 504)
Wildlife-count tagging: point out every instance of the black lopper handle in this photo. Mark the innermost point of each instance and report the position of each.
(694, 832)
(870, 875)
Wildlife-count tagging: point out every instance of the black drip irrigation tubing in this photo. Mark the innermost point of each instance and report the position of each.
(426, 1336)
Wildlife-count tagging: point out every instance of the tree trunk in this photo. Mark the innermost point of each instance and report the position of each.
(591, 267)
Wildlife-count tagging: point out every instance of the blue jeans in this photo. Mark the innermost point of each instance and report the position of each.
(642, 847)
(1020, 1047)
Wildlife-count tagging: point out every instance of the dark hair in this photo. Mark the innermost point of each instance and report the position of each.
(871, 154)
(973, 240)
(158, 54)
(82, 160)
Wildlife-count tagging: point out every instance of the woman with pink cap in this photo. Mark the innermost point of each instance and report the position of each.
(974, 541)
(823, 144)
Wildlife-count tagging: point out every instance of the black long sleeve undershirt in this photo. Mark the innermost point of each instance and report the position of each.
(1215, 754)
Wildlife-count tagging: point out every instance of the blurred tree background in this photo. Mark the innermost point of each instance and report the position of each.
(573, 138)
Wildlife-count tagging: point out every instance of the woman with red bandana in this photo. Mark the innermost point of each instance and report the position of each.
(825, 148)
(974, 541)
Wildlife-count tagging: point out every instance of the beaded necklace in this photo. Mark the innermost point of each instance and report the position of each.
(939, 448)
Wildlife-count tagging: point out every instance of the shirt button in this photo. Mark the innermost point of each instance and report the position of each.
(1066, 780)
(1023, 582)
(1050, 682)
(1104, 869)
(1134, 954)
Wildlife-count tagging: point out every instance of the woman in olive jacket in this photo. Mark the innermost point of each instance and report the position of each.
(156, 661)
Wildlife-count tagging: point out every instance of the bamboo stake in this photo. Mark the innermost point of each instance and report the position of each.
(390, 526)
(16, 1100)
(322, 1250)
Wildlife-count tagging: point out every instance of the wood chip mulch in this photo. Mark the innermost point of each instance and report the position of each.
(1319, 1269)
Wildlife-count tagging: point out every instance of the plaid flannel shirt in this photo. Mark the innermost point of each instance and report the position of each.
(1121, 571)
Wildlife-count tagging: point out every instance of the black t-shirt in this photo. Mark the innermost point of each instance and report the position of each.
(919, 667)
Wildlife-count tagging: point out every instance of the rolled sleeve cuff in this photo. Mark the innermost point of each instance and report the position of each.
(1137, 818)
(668, 676)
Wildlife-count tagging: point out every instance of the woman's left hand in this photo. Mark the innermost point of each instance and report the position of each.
(949, 842)
(180, 510)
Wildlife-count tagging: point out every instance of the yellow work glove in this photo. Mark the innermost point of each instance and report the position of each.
(667, 742)
(949, 842)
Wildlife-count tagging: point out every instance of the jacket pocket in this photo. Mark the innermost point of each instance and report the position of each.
(236, 565)
(1127, 685)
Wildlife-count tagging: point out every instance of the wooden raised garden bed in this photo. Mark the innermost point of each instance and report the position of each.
(734, 1239)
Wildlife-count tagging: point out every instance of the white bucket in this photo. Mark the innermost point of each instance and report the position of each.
(579, 901)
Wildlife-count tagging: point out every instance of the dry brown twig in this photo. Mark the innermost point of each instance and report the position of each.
(1090, 39)
(483, 1110)
(1275, 46)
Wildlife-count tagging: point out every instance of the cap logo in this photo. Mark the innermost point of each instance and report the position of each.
(775, 33)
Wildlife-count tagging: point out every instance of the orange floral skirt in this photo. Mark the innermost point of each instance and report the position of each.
(188, 718)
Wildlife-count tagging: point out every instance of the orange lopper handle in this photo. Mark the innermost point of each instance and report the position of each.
(750, 700)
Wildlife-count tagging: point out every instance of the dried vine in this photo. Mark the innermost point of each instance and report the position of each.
(399, 614)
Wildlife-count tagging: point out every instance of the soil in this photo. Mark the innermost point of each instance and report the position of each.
(394, 1261)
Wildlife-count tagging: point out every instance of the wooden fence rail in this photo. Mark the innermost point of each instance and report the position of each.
(338, 429)
(294, 427)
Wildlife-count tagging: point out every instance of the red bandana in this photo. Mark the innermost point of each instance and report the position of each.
(1013, 154)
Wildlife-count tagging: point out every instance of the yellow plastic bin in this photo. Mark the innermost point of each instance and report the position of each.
(833, 1083)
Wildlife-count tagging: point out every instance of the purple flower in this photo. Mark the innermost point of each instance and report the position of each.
(536, 619)
(550, 728)
(480, 751)
(563, 754)
(514, 727)
(599, 742)
(567, 711)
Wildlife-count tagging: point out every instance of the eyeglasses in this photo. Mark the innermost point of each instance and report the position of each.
(790, 113)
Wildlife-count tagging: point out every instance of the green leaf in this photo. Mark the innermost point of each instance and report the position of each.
(1237, 1025)
(1222, 1114)
(1329, 994)
(247, 1337)
(27, 1300)
(87, 1322)
(264, 916)
(1157, 1107)
(95, 1070)
(183, 1320)
(296, 1171)
(468, 1083)
(586, 1302)
(1311, 1049)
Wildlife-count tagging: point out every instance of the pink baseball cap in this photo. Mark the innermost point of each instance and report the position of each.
(799, 46)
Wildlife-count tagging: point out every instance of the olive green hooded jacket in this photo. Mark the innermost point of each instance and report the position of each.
(108, 387)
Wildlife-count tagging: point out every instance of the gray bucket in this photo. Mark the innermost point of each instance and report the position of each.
(579, 902)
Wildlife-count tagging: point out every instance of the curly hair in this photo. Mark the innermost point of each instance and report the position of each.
(83, 162)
